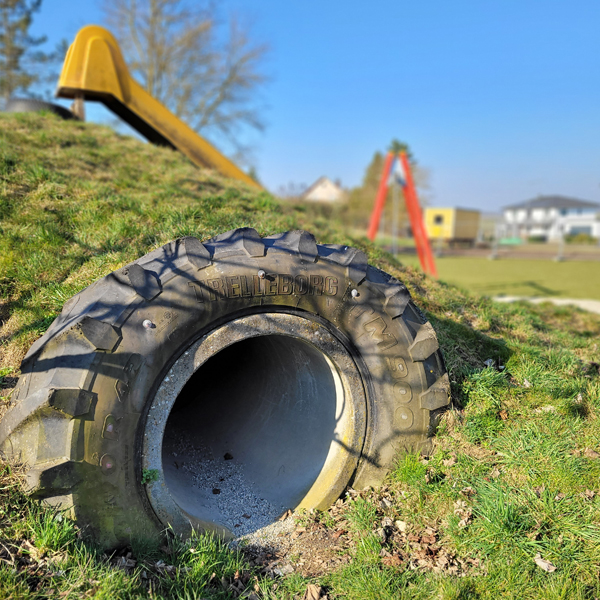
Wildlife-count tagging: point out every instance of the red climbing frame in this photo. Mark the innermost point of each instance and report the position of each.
(413, 208)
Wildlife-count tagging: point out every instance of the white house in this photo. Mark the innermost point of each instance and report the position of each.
(550, 217)
(324, 190)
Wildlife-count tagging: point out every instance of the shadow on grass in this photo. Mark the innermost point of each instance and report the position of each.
(466, 350)
(533, 288)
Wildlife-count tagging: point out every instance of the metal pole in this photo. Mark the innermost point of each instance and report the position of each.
(561, 245)
(78, 106)
(395, 216)
(494, 254)
(438, 247)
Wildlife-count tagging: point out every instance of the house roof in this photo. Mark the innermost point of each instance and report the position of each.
(318, 182)
(553, 202)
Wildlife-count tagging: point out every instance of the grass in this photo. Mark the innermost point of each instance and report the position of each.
(41, 556)
(515, 470)
(519, 277)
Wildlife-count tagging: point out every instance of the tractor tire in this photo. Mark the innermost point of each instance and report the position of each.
(215, 385)
(22, 105)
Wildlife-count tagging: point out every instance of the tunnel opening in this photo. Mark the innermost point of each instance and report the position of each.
(251, 431)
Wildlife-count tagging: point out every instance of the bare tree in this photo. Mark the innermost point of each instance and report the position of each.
(16, 46)
(291, 191)
(175, 49)
(362, 198)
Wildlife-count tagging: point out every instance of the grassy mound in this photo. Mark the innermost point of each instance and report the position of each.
(507, 505)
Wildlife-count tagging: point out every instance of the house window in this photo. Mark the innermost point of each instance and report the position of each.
(581, 230)
(438, 220)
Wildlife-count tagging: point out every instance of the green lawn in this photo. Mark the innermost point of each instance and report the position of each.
(515, 277)
(506, 506)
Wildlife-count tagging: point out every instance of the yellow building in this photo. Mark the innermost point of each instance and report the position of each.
(452, 224)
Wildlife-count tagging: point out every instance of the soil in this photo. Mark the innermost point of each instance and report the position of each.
(310, 549)
(323, 542)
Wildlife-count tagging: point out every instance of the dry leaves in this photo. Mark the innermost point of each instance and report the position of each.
(392, 560)
(423, 550)
(314, 592)
(545, 565)
(324, 542)
(450, 462)
(587, 452)
(462, 510)
(401, 525)
(125, 563)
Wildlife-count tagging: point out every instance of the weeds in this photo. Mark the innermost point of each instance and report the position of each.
(149, 476)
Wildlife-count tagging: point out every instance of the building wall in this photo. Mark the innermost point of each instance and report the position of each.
(439, 223)
(452, 223)
(325, 191)
(466, 225)
(574, 224)
(550, 223)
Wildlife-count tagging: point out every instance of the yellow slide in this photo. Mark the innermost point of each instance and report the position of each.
(95, 70)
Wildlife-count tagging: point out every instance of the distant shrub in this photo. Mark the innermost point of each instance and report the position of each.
(537, 239)
(580, 238)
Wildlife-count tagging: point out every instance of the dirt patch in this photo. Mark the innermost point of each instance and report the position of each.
(311, 549)
(324, 542)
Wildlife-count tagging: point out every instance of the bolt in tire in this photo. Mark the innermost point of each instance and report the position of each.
(217, 384)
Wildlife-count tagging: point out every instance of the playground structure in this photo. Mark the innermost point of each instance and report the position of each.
(405, 179)
(94, 69)
(280, 370)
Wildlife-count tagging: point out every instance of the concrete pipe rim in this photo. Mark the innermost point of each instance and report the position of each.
(326, 397)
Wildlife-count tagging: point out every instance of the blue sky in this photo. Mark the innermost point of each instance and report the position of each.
(499, 100)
